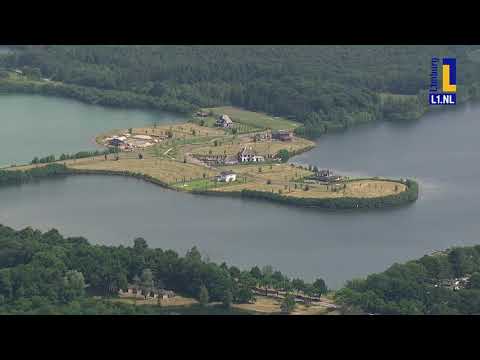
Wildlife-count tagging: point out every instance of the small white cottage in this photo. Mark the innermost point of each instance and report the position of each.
(227, 176)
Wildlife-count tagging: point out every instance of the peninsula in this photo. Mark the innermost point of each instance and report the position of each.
(231, 152)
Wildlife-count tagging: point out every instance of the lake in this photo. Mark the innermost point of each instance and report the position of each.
(441, 151)
(34, 125)
(5, 50)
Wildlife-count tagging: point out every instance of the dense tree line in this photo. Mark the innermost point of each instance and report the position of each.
(324, 87)
(94, 96)
(416, 286)
(11, 177)
(78, 155)
(38, 270)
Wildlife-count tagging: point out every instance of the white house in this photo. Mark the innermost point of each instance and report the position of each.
(224, 121)
(249, 156)
(227, 176)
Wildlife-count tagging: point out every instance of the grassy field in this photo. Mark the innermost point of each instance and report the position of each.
(287, 180)
(263, 305)
(254, 119)
(269, 305)
(232, 146)
(174, 301)
(168, 171)
(360, 189)
(179, 132)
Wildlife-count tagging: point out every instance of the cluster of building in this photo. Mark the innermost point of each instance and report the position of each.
(454, 284)
(326, 175)
(129, 142)
(133, 291)
(281, 135)
(246, 155)
(216, 160)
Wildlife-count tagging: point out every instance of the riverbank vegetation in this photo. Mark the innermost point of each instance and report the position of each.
(325, 88)
(46, 273)
(78, 155)
(443, 283)
(14, 83)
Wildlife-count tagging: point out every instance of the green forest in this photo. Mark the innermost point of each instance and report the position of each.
(425, 286)
(46, 273)
(324, 87)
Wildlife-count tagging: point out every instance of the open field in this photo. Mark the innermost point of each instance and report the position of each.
(183, 131)
(274, 172)
(263, 305)
(174, 301)
(234, 145)
(254, 119)
(357, 189)
(269, 305)
(167, 171)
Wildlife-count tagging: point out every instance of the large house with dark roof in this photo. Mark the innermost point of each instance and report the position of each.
(224, 121)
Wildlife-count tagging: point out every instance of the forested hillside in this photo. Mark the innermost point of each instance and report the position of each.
(324, 87)
(445, 283)
(48, 273)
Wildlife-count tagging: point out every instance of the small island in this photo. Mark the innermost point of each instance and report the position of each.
(227, 151)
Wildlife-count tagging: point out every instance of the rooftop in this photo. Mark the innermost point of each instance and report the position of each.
(225, 173)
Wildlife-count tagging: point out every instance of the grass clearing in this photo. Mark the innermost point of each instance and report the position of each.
(232, 146)
(254, 119)
(269, 305)
(168, 171)
(174, 301)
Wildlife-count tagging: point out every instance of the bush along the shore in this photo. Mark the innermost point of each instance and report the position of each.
(22, 177)
(407, 196)
(10, 177)
(78, 155)
(91, 95)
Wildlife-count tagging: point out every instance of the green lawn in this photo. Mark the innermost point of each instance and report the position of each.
(254, 119)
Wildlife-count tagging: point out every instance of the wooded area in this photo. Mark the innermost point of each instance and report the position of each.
(46, 272)
(445, 283)
(323, 87)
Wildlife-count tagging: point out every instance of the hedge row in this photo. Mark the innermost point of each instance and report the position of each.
(14, 177)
